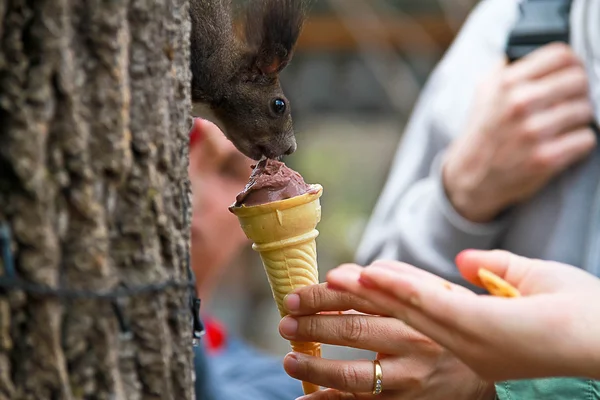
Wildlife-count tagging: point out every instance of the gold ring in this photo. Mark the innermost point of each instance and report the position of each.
(378, 377)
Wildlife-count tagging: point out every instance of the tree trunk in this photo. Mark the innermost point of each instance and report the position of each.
(94, 120)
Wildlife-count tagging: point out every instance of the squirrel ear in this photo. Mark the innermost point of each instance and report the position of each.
(272, 30)
(271, 68)
(271, 62)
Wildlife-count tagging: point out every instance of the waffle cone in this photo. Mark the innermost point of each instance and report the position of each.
(284, 234)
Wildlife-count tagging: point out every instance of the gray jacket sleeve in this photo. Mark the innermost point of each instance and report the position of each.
(413, 220)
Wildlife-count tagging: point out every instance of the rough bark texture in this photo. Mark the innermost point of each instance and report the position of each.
(94, 117)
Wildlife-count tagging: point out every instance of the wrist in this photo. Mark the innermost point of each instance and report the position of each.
(467, 198)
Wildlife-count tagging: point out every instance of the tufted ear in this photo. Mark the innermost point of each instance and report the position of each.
(272, 30)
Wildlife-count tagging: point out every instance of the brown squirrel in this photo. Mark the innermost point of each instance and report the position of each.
(235, 78)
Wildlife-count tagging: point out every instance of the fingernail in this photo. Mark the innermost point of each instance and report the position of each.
(292, 302)
(288, 327)
(460, 257)
(334, 287)
(367, 282)
(333, 274)
(290, 363)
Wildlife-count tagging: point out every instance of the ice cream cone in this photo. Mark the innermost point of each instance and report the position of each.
(284, 234)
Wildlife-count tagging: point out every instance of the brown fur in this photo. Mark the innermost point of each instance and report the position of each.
(236, 78)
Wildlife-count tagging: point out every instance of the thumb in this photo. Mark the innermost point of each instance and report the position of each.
(530, 276)
(508, 266)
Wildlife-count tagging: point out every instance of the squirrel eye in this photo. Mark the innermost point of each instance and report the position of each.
(278, 106)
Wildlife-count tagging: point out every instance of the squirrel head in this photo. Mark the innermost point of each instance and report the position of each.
(250, 107)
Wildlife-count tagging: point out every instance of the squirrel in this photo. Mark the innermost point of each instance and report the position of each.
(235, 77)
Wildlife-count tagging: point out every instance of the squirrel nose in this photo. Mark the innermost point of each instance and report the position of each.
(292, 149)
(277, 149)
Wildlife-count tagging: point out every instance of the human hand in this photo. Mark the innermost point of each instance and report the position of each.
(552, 330)
(530, 121)
(414, 367)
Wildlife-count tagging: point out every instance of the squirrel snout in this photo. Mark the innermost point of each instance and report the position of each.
(291, 149)
(278, 149)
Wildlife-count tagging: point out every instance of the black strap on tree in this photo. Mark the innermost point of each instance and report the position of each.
(10, 281)
(541, 22)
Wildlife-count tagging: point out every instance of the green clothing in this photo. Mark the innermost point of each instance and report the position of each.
(549, 389)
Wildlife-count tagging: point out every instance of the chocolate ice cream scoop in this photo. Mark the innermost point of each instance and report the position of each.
(271, 180)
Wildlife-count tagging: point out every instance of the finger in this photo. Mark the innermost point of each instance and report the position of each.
(405, 292)
(420, 273)
(477, 329)
(541, 62)
(332, 394)
(469, 326)
(530, 276)
(378, 334)
(347, 278)
(564, 150)
(561, 118)
(317, 298)
(346, 376)
(390, 302)
(498, 262)
(452, 319)
(569, 83)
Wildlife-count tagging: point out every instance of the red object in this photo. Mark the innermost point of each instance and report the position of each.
(196, 134)
(216, 335)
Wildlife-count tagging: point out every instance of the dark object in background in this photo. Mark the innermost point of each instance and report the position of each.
(541, 22)
(235, 80)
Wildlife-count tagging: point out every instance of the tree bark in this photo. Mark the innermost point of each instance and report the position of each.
(94, 121)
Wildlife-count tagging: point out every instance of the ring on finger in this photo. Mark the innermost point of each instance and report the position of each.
(377, 377)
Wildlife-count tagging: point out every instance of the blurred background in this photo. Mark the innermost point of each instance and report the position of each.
(357, 71)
